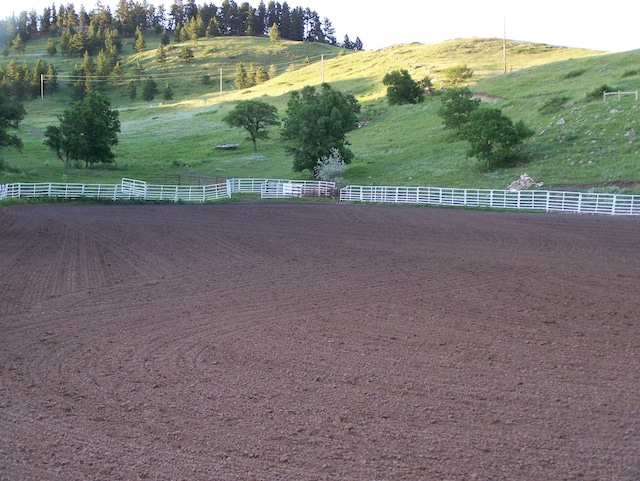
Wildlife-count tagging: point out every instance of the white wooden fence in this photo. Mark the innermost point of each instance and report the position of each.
(618, 94)
(128, 189)
(276, 188)
(540, 200)
(296, 188)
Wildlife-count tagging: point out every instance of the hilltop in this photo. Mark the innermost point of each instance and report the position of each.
(577, 141)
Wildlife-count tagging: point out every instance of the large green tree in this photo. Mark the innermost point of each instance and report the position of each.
(11, 113)
(86, 131)
(316, 122)
(402, 89)
(493, 137)
(255, 117)
(457, 105)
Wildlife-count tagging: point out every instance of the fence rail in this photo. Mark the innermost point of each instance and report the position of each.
(618, 94)
(540, 200)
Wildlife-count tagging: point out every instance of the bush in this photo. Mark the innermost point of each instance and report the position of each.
(573, 74)
(330, 168)
(597, 93)
(631, 73)
(552, 105)
(402, 89)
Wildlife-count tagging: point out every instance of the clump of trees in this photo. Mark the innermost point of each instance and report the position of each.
(250, 76)
(24, 81)
(493, 137)
(81, 30)
(317, 121)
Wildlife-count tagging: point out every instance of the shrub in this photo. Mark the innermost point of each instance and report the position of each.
(552, 105)
(402, 89)
(573, 73)
(631, 73)
(596, 94)
(330, 168)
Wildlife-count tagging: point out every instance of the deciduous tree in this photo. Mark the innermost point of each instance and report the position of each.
(493, 136)
(402, 89)
(457, 105)
(318, 121)
(86, 131)
(255, 117)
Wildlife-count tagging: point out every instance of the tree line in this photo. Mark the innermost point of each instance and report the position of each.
(229, 19)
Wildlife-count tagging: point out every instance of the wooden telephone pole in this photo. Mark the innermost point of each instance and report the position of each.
(504, 45)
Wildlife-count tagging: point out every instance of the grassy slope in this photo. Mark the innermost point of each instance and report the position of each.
(398, 145)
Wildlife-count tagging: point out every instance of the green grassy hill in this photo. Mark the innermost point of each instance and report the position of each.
(577, 142)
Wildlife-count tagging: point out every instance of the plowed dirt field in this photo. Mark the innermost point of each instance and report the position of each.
(317, 341)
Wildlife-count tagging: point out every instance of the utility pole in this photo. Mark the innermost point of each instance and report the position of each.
(322, 66)
(504, 45)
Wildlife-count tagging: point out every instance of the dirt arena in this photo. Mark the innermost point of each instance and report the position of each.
(317, 341)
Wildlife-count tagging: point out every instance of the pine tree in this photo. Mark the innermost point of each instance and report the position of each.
(186, 54)
(88, 70)
(164, 38)
(18, 45)
(117, 72)
(132, 90)
(102, 71)
(139, 43)
(161, 55)
(241, 76)
(51, 47)
(149, 89)
(261, 75)
(168, 92)
(274, 33)
(51, 85)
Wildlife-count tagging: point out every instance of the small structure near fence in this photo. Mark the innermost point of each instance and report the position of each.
(540, 200)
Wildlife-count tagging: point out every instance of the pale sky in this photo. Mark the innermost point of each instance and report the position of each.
(611, 26)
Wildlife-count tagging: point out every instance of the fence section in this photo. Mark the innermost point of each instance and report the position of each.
(249, 186)
(64, 191)
(295, 188)
(541, 200)
(128, 189)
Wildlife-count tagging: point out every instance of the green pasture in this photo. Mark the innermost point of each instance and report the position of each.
(577, 141)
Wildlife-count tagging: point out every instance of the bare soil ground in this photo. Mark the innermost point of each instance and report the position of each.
(305, 341)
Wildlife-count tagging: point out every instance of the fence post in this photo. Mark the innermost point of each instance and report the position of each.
(548, 200)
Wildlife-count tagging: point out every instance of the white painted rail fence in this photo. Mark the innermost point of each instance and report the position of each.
(277, 188)
(128, 189)
(295, 188)
(540, 200)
